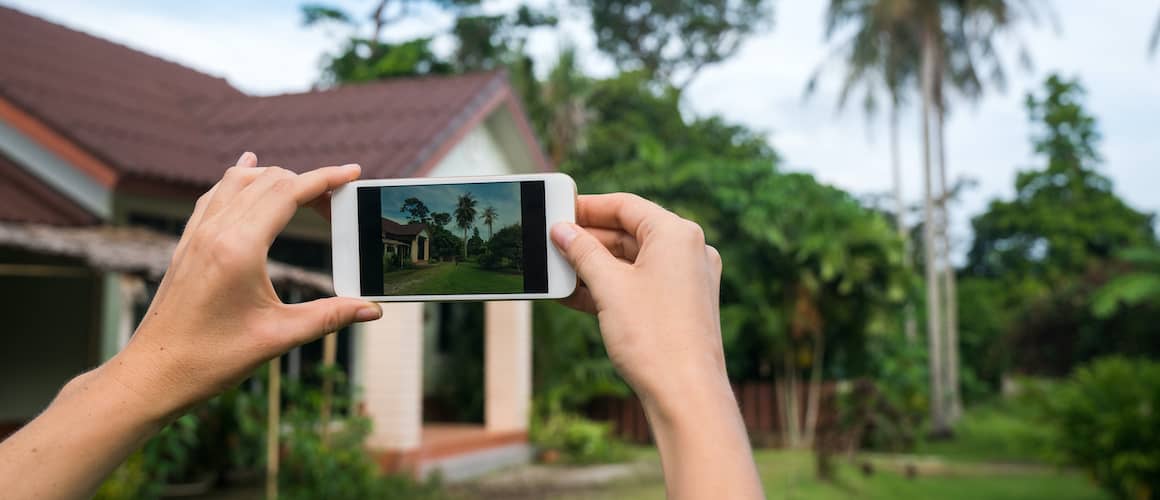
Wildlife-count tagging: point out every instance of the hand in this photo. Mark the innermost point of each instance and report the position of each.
(653, 283)
(215, 317)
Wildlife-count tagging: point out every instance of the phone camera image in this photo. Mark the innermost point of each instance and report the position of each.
(452, 239)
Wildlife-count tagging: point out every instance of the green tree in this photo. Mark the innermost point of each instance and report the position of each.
(490, 216)
(465, 216)
(674, 39)
(1065, 215)
(474, 243)
(441, 219)
(879, 54)
(1141, 285)
(819, 269)
(417, 211)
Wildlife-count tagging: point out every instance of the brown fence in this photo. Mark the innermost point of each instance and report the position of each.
(759, 402)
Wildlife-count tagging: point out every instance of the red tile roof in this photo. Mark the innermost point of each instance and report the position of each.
(153, 119)
(24, 198)
(392, 228)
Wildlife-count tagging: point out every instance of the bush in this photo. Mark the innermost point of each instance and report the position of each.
(578, 440)
(1107, 418)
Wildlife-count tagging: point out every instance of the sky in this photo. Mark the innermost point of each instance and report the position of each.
(503, 196)
(261, 48)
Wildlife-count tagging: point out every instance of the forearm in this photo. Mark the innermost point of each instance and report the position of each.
(89, 429)
(702, 441)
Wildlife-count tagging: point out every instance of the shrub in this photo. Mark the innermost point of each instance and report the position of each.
(578, 439)
(1107, 418)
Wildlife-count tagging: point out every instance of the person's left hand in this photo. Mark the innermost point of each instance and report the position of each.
(215, 317)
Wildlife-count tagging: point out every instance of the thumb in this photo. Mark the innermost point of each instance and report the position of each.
(311, 320)
(584, 252)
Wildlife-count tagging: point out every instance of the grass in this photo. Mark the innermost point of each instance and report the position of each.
(450, 278)
(789, 475)
(995, 432)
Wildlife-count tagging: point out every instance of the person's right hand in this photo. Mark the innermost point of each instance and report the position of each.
(653, 283)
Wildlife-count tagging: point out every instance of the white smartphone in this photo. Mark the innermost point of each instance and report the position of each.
(452, 238)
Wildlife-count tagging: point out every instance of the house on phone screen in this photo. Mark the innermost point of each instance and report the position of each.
(410, 242)
(103, 151)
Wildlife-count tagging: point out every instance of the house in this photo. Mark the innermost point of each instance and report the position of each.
(103, 151)
(411, 242)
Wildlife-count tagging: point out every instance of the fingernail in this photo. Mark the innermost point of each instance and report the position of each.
(243, 157)
(370, 312)
(354, 168)
(563, 234)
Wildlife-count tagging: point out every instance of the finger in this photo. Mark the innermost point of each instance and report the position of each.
(593, 263)
(322, 206)
(233, 182)
(619, 243)
(627, 212)
(581, 300)
(309, 321)
(273, 202)
(315, 183)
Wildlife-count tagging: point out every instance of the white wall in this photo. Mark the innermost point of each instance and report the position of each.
(479, 153)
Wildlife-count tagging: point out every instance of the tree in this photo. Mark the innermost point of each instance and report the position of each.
(880, 55)
(819, 268)
(465, 216)
(475, 243)
(1141, 285)
(441, 219)
(1064, 216)
(507, 246)
(417, 211)
(674, 39)
(490, 215)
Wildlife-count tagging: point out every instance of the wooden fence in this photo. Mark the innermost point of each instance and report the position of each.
(759, 402)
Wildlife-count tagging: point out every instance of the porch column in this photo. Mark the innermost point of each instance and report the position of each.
(119, 294)
(507, 365)
(389, 367)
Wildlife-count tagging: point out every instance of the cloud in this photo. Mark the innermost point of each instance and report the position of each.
(262, 48)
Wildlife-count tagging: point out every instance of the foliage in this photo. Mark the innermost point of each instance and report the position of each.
(1038, 260)
(1063, 216)
(507, 245)
(1139, 286)
(392, 261)
(570, 364)
(900, 373)
(999, 430)
(1107, 422)
(340, 467)
(579, 440)
(417, 211)
(172, 455)
(465, 216)
(674, 39)
(474, 244)
(128, 481)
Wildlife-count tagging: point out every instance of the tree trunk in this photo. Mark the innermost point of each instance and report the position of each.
(910, 327)
(792, 432)
(815, 389)
(464, 243)
(954, 396)
(933, 302)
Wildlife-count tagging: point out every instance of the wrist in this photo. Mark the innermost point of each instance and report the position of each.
(695, 388)
(141, 391)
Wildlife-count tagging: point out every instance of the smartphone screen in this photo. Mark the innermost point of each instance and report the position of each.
(453, 239)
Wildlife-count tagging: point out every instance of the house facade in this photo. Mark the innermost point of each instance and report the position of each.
(98, 140)
(409, 243)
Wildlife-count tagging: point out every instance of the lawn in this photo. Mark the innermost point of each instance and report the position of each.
(789, 475)
(450, 278)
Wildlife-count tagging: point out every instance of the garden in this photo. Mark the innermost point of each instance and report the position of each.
(1022, 362)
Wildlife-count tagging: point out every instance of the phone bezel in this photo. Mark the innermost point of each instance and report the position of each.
(559, 203)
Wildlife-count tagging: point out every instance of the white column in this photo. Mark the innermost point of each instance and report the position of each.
(390, 370)
(507, 365)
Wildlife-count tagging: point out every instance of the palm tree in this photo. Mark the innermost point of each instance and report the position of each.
(564, 96)
(465, 216)
(958, 45)
(880, 55)
(489, 217)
